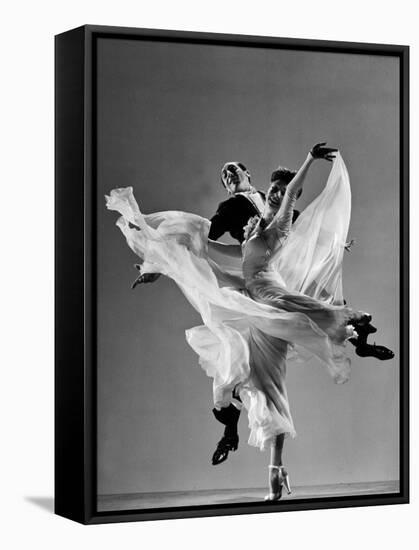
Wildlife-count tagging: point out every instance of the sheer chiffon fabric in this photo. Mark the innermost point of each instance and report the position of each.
(250, 324)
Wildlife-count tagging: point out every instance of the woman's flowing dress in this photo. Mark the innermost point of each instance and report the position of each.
(286, 297)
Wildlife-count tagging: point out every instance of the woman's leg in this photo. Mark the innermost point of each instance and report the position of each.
(278, 476)
(275, 470)
(276, 450)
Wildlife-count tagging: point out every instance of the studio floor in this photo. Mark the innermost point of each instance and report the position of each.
(135, 501)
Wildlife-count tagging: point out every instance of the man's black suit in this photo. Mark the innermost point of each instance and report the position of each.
(232, 216)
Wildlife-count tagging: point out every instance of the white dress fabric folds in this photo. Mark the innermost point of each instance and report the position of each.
(287, 299)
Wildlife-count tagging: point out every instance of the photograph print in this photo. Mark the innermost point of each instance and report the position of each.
(248, 274)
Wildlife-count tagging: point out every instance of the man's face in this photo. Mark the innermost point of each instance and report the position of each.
(235, 177)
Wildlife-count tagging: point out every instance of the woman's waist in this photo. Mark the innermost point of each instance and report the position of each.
(263, 278)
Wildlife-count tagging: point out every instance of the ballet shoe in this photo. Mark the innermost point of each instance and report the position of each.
(278, 481)
(372, 350)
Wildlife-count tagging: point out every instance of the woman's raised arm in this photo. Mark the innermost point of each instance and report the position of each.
(284, 215)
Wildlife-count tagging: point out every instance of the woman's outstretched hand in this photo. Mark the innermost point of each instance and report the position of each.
(319, 151)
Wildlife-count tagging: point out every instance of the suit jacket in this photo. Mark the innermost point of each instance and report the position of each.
(233, 215)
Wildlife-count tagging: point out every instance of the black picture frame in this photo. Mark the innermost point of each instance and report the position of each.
(75, 273)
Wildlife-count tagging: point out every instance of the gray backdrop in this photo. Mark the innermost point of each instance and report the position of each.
(169, 116)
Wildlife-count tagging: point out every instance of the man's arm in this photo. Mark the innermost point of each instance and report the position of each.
(220, 222)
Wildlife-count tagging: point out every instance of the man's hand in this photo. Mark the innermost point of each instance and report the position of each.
(319, 151)
(144, 277)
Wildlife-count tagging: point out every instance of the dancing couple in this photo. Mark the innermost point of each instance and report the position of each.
(286, 299)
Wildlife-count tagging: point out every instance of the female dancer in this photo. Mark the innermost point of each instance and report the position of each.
(288, 296)
(264, 238)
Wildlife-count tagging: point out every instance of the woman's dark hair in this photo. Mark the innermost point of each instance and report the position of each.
(285, 175)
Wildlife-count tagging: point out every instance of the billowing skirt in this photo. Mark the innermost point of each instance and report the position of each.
(247, 333)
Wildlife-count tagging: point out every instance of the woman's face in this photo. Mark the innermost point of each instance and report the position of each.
(235, 177)
(275, 194)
